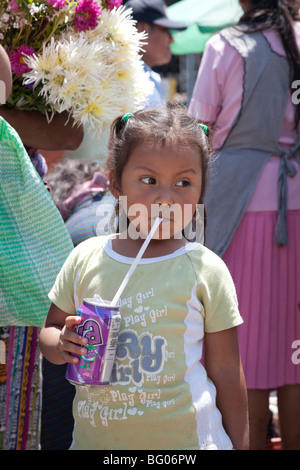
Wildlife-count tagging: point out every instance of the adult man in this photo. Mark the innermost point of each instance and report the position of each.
(151, 17)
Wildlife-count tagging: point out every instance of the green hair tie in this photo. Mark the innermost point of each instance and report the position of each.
(126, 117)
(204, 127)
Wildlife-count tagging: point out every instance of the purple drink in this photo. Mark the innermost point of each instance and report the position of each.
(100, 323)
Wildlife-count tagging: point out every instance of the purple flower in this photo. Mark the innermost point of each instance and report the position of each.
(17, 59)
(114, 3)
(87, 13)
(57, 3)
(14, 6)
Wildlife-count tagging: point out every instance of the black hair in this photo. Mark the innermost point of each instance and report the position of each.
(160, 126)
(279, 15)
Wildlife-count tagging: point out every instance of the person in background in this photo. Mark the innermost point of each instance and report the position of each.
(33, 245)
(244, 88)
(44, 141)
(80, 191)
(36, 132)
(151, 17)
(6, 76)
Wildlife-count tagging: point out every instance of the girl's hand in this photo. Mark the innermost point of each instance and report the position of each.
(58, 340)
(70, 342)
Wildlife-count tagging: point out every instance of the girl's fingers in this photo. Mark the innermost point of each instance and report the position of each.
(68, 350)
(73, 348)
(70, 342)
(71, 321)
(70, 334)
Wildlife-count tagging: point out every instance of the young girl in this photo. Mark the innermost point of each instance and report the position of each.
(245, 90)
(160, 396)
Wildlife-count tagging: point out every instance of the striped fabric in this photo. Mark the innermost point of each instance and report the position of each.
(33, 239)
(93, 217)
(20, 389)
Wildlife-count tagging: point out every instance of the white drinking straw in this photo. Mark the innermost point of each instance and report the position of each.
(136, 261)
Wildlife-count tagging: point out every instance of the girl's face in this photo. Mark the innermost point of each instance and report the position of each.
(161, 181)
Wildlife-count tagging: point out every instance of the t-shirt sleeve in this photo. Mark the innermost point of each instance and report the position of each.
(217, 294)
(62, 292)
(206, 99)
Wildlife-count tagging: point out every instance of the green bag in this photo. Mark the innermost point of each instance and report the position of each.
(34, 242)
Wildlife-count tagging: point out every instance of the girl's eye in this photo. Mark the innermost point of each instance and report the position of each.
(183, 183)
(148, 180)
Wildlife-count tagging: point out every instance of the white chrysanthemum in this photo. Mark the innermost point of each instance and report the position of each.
(118, 27)
(94, 75)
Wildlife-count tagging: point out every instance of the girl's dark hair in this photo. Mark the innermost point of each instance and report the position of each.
(160, 126)
(277, 14)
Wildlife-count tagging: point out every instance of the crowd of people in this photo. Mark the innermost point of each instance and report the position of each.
(208, 328)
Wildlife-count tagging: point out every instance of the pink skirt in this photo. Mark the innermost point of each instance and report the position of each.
(267, 280)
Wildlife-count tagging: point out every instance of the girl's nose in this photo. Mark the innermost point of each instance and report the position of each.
(164, 197)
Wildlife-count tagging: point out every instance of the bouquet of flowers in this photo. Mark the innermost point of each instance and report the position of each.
(79, 56)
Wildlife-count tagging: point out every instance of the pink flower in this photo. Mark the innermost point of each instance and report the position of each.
(14, 6)
(57, 3)
(87, 13)
(17, 59)
(114, 3)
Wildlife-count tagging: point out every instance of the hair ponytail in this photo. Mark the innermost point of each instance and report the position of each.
(279, 15)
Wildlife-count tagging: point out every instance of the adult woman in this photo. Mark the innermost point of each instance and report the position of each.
(34, 244)
(244, 87)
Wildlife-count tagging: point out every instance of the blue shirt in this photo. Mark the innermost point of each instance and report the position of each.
(156, 97)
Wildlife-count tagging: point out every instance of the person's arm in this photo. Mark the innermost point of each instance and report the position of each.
(58, 338)
(223, 366)
(32, 126)
(5, 76)
(35, 131)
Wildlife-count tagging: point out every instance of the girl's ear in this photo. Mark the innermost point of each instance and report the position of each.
(114, 185)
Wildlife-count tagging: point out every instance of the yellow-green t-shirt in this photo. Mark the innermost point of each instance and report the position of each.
(160, 396)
